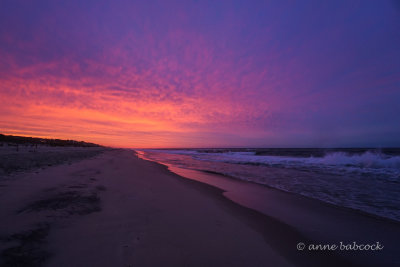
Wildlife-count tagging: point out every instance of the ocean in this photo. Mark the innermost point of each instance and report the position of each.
(362, 179)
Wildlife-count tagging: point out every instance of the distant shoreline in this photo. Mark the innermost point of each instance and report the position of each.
(13, 139)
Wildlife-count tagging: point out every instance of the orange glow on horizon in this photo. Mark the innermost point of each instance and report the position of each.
(58, 108)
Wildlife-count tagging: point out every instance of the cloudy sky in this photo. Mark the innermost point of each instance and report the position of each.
(202, 73)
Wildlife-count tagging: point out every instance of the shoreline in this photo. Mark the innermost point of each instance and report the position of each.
(283, 236)
(212, 173)
(118, 209)
(350, 209)
(348, 217)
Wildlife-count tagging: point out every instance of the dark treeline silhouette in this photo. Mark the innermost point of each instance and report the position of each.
(43, 141)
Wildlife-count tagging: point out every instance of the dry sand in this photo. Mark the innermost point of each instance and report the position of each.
(118, 210)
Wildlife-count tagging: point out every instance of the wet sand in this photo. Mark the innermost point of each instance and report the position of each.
(317, 222)
(118, 210)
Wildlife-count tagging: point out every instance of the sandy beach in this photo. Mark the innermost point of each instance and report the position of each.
(115, 209)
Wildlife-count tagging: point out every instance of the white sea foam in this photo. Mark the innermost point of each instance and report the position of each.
(368, 160)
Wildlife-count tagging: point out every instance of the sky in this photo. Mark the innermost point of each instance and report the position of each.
(148, 74)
